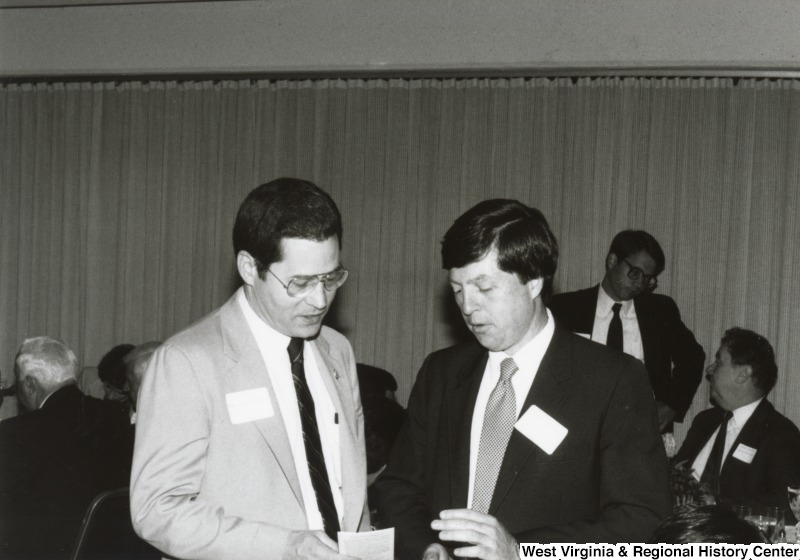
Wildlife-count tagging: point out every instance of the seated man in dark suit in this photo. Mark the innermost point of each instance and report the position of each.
(56, 458)
(743, 449)
(623, 313)
(528, 433)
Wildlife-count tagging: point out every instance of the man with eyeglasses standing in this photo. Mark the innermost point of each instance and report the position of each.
(624, 313)
(250, 432)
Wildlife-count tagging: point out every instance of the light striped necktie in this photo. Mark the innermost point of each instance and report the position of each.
(498, 423)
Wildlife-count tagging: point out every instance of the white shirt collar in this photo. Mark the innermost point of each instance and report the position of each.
(260, 328)
(532, 352)
(604, 304)
(742, 414)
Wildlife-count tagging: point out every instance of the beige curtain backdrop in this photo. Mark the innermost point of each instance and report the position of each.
(118, 199)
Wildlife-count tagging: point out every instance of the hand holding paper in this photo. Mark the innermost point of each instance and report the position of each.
(368, 545)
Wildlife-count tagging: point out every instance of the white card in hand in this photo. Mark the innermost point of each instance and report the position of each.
(368, 545)
(542, 429)
(249, 405)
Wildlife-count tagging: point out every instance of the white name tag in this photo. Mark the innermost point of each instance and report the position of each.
(744, 453)
(542, 429)
(250, 405)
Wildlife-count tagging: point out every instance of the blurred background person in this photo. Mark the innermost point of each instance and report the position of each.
(111, 371)
(56, 458)
(383, 418)
(706, 524)
(135, 363)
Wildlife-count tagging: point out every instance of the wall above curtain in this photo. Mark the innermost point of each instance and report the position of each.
(118, 199)
(357, 38)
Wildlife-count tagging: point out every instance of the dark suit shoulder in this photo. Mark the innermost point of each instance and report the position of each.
(575, 310)
(656, 303)
(569, 299)
(589, 352)
(454, 362)
(778, 423)
(458, 353)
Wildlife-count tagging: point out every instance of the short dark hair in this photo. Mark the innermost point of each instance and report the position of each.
(751, 349)
(706, 524)
(525, 245)
(630, 241)
(283, 208)
(111, 368)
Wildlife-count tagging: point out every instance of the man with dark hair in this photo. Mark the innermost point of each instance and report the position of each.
(57, 457)
(745, 451)
(250, 431)
(111, 371)
(706, 524)
(624, 313)
(529, 433)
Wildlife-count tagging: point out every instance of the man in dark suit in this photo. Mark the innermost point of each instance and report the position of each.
(56, 458)
(624, 313)
(532, 434)
(757, 455)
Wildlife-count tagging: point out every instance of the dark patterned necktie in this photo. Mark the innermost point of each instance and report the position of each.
(316, 460)
(710, 474)
(614, 339)
(498, 423)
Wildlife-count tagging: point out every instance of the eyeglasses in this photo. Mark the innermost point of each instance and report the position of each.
(300, 286)
(637, 275)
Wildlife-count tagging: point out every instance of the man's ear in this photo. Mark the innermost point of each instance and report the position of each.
(247, 267)
(611, 261)
(535, 287)
(31, 388)
(744, 374)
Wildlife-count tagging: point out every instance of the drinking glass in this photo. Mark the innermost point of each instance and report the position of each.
(777, 535)
(765, 524)
(794, 503)
(743, 512)
(794, 500)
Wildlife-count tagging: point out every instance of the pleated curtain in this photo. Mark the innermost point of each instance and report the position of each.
(118, 199)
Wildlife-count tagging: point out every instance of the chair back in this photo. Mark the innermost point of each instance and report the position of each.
(107, 533)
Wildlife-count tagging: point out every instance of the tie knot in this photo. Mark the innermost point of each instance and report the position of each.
(615, 308)
(727, 416)
(507, 369)
(295, 350)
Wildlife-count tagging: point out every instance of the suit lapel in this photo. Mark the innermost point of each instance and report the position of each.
(586, 310)
(247, 363)
(706, 427)
(334, 375)
(460, 408)
(549, 390)
(648, 332)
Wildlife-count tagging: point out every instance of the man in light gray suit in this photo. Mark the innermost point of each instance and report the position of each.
(250, 432)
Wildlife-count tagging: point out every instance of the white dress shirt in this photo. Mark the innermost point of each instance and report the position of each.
(740, 416)
(631, 336)
(273, 346)
(528, 358)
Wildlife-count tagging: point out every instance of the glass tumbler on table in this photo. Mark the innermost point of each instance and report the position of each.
(794, 503)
